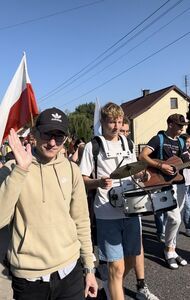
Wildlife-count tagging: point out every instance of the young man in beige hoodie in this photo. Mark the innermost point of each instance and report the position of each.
(42, 197)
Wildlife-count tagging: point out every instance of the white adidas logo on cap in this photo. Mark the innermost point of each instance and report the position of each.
(56, 117)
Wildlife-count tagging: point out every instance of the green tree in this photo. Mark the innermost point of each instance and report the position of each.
(87, 109)
(81, 121)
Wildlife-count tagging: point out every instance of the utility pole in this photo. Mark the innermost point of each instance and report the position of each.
(188, 113)
(186, 84)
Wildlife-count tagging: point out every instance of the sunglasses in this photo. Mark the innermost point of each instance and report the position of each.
(59, 138)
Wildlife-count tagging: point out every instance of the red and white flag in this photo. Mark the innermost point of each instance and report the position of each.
(18, 106)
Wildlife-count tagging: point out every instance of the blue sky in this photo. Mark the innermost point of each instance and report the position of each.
(62, 37)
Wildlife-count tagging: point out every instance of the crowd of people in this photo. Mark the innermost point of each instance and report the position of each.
(51, 184)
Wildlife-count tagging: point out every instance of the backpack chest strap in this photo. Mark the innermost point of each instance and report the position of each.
(113, 153)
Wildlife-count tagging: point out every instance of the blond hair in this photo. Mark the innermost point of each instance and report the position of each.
(111, 110)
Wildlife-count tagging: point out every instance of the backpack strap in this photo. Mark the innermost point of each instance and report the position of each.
(122, 142)
(161, 137)
(130, 143)
(181, 144)
(96, 144)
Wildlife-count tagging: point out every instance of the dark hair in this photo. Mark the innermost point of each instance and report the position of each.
(185, 136)
(77, 142)
(126, 120)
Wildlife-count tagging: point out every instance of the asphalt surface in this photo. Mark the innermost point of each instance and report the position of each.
(166, 284)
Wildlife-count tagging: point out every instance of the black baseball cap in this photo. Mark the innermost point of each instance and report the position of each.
(52, 119)
(177, 119)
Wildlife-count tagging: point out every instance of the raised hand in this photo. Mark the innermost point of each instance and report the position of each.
(23, 156)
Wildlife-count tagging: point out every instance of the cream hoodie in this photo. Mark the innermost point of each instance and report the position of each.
(48, 212)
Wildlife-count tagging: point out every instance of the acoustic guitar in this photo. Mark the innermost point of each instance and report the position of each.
(157, 177)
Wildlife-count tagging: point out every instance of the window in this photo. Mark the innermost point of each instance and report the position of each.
(173, 103)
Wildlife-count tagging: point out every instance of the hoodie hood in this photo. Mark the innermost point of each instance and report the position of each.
(48, 171)
(37, 160)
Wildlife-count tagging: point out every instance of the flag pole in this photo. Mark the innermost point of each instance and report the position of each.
(32, 119)
(30, 108)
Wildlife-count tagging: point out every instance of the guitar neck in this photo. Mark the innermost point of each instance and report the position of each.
(183, 166)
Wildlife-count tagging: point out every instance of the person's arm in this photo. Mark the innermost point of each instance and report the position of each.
(103, 182)
(160, 165)
(12, 178)
(75, 156)
(80, 215)
(87, 167)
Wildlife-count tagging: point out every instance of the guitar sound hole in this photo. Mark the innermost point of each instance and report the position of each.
(168, 177)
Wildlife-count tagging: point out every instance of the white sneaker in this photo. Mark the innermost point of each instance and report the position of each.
(187, 232)
(145, 294)
(170, 260)
(181, 261)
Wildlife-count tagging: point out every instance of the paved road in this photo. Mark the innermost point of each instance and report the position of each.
(165, 283)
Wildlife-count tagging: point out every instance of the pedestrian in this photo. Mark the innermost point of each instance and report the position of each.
(165, 145)
(42, 197)
(186, 211)
(118, 236)
(143, 292)
(78, 151)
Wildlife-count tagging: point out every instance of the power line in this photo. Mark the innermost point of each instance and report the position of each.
(60, 88)
(128, 69)
(120, 57)
(50, 15)
(104, 52)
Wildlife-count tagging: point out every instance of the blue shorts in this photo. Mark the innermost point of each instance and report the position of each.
(118, 238)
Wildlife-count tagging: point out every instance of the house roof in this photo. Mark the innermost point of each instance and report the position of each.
(135, 107)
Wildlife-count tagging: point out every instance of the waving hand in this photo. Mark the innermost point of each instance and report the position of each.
(23, 156)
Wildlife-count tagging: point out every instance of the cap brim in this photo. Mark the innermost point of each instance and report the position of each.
(47, 128)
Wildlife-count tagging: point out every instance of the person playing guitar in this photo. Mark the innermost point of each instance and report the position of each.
(165, 146)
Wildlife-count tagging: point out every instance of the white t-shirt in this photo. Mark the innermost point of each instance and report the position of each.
(105, 166)
(186, 174)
